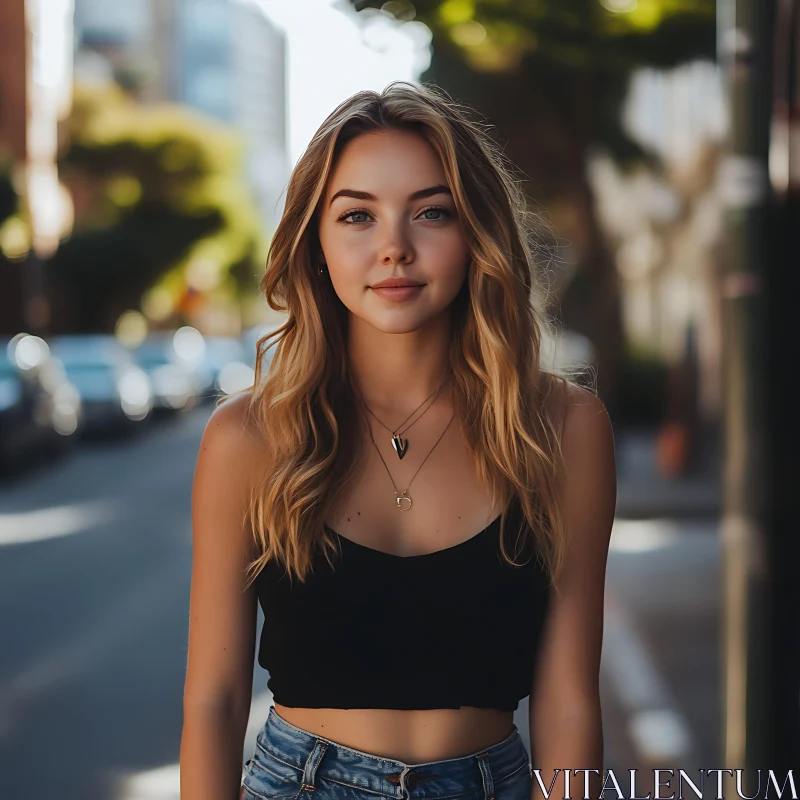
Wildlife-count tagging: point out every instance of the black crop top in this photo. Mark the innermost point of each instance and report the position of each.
(456, 627)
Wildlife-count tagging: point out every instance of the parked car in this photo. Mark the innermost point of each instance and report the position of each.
(40, 410)
(175, 387)
(187, 348)
(117, 394)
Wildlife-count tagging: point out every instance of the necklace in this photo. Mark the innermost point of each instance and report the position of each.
(401, 445)
(403, 499)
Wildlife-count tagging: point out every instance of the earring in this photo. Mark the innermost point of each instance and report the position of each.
(322, 268)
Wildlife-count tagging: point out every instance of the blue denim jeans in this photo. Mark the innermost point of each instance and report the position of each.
(291, 763)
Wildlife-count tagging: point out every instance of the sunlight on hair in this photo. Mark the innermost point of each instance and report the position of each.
(510, 403)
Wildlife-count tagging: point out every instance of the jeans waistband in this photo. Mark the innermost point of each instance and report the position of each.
(315, 756)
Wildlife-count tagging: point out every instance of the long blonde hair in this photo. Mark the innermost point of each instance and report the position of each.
(508, 407)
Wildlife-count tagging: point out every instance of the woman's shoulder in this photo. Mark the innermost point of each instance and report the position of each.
(584, 409)
(587, 440)
(582, 426)
(573, 405)
(233, 416)
(232, 440)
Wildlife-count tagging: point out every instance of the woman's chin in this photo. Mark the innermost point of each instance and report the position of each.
(398, 321)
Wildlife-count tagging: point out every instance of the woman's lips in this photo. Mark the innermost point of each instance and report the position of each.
(397, 294)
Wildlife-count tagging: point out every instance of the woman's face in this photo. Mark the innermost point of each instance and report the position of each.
(387, 213)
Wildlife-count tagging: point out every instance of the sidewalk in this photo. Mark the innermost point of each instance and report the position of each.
(642, 492)
(660, 672)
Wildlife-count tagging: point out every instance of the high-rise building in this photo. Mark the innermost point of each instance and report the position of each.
(113, 40)
(230, 63)
(223, 58)
(101, 23)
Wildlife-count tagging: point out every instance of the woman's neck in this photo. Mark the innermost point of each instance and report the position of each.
(398, 371)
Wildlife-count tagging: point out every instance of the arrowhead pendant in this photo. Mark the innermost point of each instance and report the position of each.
(400, 445)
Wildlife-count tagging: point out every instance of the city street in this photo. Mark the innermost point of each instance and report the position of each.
(172, 217)
(94, 583)
(95, 559)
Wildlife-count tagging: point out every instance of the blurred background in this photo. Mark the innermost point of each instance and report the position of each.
(145, 148)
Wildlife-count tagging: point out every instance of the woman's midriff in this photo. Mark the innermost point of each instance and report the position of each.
(413, 737)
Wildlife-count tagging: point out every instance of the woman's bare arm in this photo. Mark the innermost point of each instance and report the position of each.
(222, 616)
(565, 721)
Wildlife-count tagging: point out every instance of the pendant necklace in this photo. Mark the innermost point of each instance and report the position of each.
(403, 499)
(400, 444)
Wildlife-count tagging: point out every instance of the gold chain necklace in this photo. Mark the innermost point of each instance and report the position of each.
(401, 445)
(403, 499)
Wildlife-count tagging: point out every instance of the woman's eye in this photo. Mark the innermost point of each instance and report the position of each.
(360, 216)
(443, 212)
(344, 217)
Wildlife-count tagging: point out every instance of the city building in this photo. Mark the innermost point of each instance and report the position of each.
(35, 97)
(223, 58)
(230, 64)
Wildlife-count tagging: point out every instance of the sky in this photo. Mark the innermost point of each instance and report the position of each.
(333, 52)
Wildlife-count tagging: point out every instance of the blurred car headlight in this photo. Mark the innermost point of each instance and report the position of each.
(66, 409)
(189, 344)
(27, 351)
(236, 376)
(66, 399)
(65, 424)
(172, 384)
(135, 392)
(53, 374)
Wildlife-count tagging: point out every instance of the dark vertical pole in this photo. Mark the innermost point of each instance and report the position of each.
(744, 46)
(783, 257)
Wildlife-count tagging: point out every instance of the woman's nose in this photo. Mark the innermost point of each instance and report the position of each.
(397, 249)
(395, 256)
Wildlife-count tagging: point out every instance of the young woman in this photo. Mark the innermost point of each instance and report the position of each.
(422, 511)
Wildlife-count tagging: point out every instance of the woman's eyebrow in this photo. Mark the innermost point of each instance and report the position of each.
(418, 195)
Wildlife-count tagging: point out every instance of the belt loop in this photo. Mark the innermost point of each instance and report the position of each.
(405, 787)
(486, 775)
(312, 762)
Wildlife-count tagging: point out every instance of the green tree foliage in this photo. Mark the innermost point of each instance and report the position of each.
(551, 77)
(563, 64)
(152, 186)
